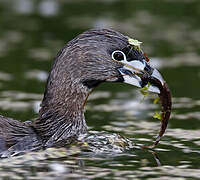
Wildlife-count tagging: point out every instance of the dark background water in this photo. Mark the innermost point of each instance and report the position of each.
(32, 32)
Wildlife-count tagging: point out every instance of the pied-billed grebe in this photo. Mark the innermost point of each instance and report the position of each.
(95, 56)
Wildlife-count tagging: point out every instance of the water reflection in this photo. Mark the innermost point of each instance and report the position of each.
(74, 162)
(79, 165)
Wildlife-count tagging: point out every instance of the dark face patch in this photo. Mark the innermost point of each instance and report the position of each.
(92, 83)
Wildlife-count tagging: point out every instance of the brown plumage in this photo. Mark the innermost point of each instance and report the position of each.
(80, 66)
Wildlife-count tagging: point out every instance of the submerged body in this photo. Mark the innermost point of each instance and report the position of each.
(91, 58)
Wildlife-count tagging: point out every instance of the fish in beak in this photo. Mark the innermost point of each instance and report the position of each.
(138, 72)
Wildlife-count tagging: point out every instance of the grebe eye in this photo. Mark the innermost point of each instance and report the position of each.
(118, 55)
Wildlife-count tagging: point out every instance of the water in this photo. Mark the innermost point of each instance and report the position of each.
(32, 32)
